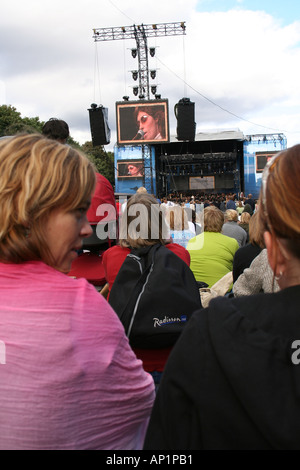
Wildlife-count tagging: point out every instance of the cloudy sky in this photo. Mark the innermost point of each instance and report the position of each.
(239, 61)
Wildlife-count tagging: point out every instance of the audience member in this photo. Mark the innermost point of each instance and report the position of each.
(248, 208)
(257, 278)
(153, 220)
(232, 229)
(244, 223)
(233, 378)
(166, 202)
(212, 252)
(70, 380)
(181, 231)
(246, 254)
(240, 207)
(230, 204)
(56, 129)
(250, 201)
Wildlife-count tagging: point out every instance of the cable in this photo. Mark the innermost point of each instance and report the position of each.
(117, 8)
(97, 71)
(221, 107)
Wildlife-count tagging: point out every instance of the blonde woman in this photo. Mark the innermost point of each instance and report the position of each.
(69, 372)
(244, 223)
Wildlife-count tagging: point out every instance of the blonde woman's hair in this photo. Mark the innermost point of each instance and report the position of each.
(143, 223)
(37, 175)
(245, 218)
(231, 215)
(141, 189)
(256, 235)
(213, 219)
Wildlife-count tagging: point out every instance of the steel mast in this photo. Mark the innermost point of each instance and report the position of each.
(141, 33)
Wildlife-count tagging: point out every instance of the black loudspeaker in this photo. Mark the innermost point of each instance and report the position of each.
(99, 125)
(185, 115)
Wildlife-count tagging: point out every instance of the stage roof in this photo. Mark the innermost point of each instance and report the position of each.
(215, 134)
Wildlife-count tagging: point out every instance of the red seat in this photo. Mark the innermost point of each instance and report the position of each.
(89, 266)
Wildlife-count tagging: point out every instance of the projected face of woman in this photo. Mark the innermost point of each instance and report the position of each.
(148, 125)
(134, 170)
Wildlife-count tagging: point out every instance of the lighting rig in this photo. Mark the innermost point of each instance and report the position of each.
(142, 74)
(199, 164)
(141, 33)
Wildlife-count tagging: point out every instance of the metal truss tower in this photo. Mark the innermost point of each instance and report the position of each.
(140, 33)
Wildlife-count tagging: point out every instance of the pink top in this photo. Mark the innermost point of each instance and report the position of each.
(68, 377)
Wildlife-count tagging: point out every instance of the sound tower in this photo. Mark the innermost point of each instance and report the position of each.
(99, 125)
(185, 115)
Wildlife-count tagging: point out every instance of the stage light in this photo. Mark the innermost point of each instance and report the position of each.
(126, 98)
(123, 29)
(134, 53)
(135, 90)
(134, 75)
(152, 51)
(153, 89)
(158, 97)
(153, 74)
(141, 96)
(154, 26)
(93, 106)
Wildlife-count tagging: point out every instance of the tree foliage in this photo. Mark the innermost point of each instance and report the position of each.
(12, 123)
(103, 161)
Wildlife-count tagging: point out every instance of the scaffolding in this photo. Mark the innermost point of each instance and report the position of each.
(140, 33)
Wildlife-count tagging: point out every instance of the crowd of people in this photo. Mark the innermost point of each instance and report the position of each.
(71, 374)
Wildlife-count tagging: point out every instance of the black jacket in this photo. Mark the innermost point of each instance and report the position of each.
(230, 382)
(243, 258)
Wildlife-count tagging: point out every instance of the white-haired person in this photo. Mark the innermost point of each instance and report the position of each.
(68, 377)
(232, 229)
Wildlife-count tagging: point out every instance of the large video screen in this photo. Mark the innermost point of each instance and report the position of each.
(141, 122)
(262, 159)
(130, 169)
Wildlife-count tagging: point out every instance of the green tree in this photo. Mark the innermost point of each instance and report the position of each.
(9, 116)
(12, 123)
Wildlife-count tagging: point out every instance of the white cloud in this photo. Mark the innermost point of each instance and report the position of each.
(244, 61)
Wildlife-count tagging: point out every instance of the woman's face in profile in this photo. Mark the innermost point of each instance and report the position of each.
(64, 234)
(133, 170)
(148, 125)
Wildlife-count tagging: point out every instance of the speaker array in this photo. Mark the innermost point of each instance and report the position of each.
(99, 125)
(185, 115)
